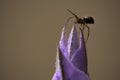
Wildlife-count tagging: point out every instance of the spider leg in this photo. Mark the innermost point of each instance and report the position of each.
(83, 26)
(67, 21)
(88, 32)
(73, 14)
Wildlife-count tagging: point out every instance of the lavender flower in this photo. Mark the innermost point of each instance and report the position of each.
(71, 61)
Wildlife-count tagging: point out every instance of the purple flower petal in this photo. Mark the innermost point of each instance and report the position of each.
(58, 74)
(63, 42)
(79, 58)
(73, 42)
(69, 71)
(74, 68)
(63, 47)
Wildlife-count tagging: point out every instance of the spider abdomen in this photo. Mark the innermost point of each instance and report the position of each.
(88, 20)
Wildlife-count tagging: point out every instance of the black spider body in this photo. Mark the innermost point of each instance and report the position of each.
(83, 21)
(88, 20)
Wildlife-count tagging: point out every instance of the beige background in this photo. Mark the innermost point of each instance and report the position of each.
(30, 32)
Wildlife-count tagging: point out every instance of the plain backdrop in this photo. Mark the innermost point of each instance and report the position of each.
(30, 31)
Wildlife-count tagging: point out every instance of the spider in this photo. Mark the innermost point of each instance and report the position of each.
(83, 21)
